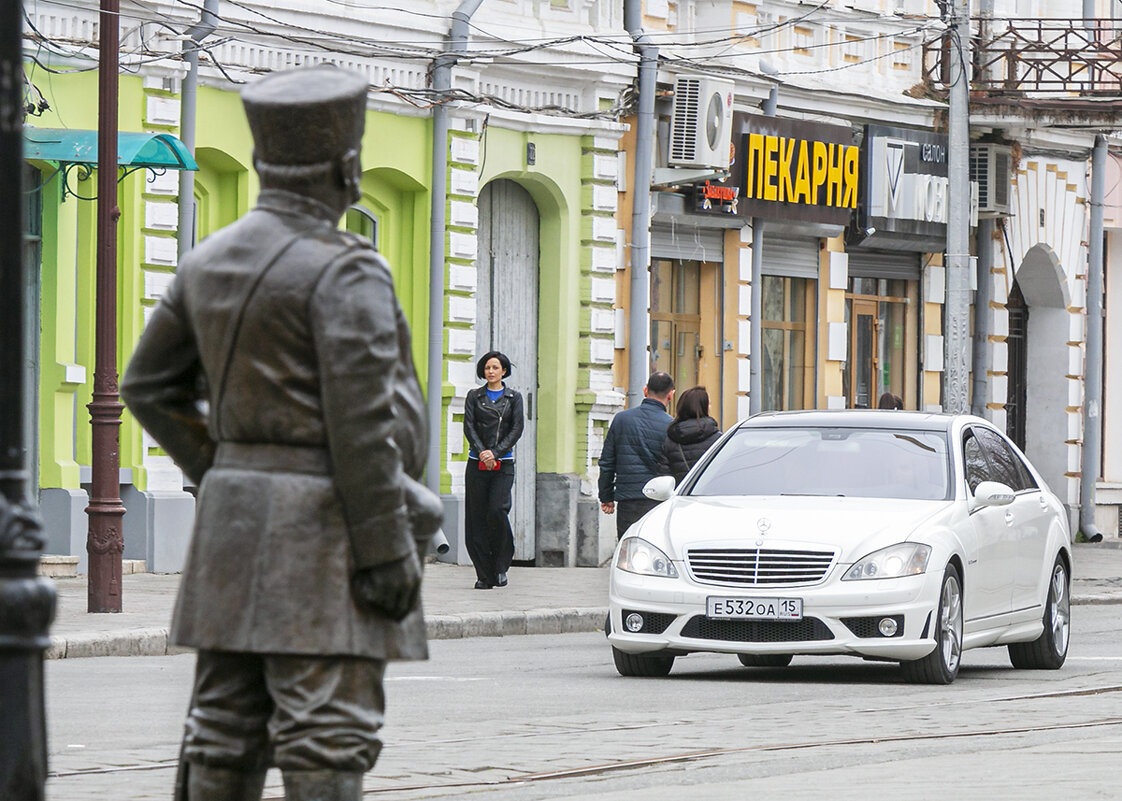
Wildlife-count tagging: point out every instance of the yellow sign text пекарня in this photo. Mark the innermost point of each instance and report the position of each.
(790, 170)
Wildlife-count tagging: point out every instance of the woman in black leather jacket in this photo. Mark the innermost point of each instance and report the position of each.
(689, 436)
(492, 424)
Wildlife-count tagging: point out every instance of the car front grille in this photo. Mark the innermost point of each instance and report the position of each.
(754, 567)
(807, 629)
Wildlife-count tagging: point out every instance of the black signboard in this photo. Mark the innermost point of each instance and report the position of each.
(789, 170)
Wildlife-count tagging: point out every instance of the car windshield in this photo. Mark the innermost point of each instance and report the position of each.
(858, 462)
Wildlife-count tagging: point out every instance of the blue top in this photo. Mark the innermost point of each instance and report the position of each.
(494, 394)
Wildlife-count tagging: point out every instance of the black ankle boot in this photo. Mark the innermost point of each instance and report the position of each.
(205, 783)
(322, 785)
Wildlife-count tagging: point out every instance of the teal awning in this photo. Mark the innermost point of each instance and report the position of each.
(67, 146)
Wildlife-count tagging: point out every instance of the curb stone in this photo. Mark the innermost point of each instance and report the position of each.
(154, 641)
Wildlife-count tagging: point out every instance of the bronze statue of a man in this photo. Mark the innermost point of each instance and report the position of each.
(303, 575)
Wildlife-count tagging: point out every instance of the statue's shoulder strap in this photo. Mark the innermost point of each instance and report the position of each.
(233, 329)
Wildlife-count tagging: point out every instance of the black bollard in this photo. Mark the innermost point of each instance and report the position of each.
(27, 606)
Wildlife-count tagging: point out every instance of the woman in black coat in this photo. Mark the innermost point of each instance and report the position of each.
(689, 436)
(492, 424)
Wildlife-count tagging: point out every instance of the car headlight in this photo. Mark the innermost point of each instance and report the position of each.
(905, 559)
(639, 556)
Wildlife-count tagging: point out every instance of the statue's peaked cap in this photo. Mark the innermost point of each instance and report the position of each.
(305, 116)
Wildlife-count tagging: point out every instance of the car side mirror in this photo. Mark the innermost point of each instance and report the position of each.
(993, 493)
(659, 488)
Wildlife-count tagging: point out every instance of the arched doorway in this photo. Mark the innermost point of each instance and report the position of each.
(1040, 386)
(1016, 342)
(507, 320)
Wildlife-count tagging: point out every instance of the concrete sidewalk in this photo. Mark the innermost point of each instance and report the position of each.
(537, 601)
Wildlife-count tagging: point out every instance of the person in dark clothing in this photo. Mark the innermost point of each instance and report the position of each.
(492, 424)
(890, 401)
(689, 436)
(630, 456)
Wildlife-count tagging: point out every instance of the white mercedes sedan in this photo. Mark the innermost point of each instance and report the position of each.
(887, 535)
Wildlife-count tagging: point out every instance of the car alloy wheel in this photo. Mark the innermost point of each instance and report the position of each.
(941, 665)
(1049, 650)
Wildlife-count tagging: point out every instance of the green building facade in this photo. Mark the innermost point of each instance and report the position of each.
(567, 169)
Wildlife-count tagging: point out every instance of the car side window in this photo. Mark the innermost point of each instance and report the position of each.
(1007, 465)
(998, 456)
(977, 468)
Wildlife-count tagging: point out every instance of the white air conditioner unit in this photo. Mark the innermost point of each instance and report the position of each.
(701, 128)
(991, 167)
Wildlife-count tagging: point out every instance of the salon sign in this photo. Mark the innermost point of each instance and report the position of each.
(795, 170)
(907, 179)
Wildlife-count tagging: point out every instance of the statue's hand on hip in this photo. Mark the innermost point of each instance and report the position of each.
(392, 588)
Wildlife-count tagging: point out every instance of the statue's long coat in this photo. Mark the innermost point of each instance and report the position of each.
(302, 448)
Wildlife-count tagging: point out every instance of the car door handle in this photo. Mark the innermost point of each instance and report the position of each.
(1009, 518)
(1043, 502)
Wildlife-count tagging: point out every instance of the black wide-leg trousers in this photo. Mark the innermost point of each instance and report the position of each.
(487, 532)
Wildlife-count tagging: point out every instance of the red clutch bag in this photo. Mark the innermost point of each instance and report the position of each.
(483, 466)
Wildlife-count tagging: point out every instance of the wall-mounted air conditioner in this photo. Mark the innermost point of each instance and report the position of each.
(701, 127)
(990, 167)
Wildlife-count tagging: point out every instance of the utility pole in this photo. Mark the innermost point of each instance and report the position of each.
(755, 326)
(105, 541)
(639, 324)
(27, 602)
(956, 312)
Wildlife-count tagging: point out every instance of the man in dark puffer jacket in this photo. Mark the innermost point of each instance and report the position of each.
(630, 456)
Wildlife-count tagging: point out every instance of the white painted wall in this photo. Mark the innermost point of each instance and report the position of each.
(1112, 375)
(1046, 415)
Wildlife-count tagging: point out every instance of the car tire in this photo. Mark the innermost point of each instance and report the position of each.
(941, 665)
(642, 665)
(765, 660)
(1049, 650)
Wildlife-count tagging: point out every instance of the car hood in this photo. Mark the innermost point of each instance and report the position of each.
(850, 527)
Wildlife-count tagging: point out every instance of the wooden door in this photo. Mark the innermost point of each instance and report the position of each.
(676, 320)
(507, 320)
(1017, 395)
(863, 362)
(32, 292)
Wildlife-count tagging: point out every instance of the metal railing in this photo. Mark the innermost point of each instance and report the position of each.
(1036, 56)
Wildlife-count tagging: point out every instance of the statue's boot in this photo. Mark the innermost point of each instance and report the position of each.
(206, 783)
(322, 785)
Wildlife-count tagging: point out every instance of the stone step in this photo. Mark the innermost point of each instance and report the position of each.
(59, 566)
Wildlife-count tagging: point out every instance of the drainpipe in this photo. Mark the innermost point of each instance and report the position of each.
(188, 93)
(1093, 360)
(755, 324)
(441, 82)
(978, 367)
(638, 341)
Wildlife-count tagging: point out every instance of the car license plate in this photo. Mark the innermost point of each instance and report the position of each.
(754, 608)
